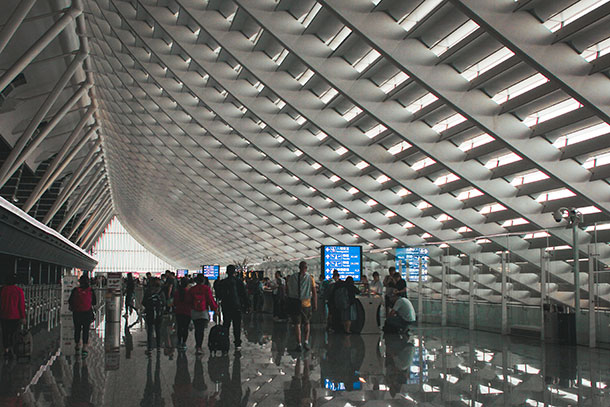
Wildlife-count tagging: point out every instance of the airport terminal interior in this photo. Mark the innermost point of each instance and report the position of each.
(462, 144)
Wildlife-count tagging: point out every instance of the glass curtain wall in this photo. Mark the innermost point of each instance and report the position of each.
(117, 251)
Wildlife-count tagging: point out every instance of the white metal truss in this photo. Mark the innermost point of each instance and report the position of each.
(263, 129)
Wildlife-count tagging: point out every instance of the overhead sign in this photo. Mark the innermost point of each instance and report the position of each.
(182, 273)
(407, 262)
(347, 260)
(211, 271)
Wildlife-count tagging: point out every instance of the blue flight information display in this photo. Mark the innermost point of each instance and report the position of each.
(211, 272)
(407, 262)
(347, 260)
(181, 273)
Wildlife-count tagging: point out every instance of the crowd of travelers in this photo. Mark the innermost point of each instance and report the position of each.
(190, 303)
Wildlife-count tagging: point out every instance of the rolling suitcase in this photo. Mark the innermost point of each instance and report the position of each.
(218, 339)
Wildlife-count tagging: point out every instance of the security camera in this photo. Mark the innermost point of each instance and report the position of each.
(558, 214)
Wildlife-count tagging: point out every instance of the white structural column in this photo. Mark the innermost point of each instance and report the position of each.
(504, 302)
(443, 291)
(543, 289)
(7, 167)
(523, 34)
(39, 46)
(592, 312)
(86, 244)
(94, 222)
(58, 161)
(35, 142)
(384, 34)
(101, 199)
(420, 293)
(14, 21)
(85, 193)
(471, 293)
(86, 165)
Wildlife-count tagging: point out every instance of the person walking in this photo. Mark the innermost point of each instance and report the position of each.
(201, 300)
(12, 312)
(154, 305)
(182, 309)
(302, 286)
(130, 295)
(326, 292)
(279, 294)
(233, 300)
(81, 302)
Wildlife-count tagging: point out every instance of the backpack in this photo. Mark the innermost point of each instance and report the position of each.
(80, 299)
(341, 298)
(199, 303)
(155, 305)
(227, 293)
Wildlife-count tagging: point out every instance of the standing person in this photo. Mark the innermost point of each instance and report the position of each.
(279, 293)
(130, 295)
(376, 287)
(326, 292)
(400, 285)
(12, 312)
(154, 305)
(233, 299)
(182, 309)
(200, 299)
(350, 313)
(301, 285)
(388, 284)
(81, 302)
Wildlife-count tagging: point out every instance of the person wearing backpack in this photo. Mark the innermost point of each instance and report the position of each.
(182, 309)
(12, 312)
(154, 305)
(233, 299)
(81, 302)
(344, 299)
(200, 299)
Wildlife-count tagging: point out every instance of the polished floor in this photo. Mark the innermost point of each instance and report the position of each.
(431, 367)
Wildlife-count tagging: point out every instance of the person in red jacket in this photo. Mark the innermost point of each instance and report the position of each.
(182, 309)
(201, 300)
(12, 312)
(81, 301)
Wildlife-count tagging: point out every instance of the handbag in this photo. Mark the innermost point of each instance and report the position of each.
(294, 305)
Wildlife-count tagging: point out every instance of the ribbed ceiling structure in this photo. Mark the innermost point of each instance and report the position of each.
(262, 129)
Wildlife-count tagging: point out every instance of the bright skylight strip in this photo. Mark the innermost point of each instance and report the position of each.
(352, 113)
(487, 63)
(502, 160)
(456, 36)
(551, 112)
(366, 60)
(448, 123)
(572, 13)
(375, 131)
(397, 148)
(420, 12)
(476, 142)
(422, 102)
(334, 42)
(582, 135)
(596, 50)
(396, 80)
(306, 19)
(520, 88)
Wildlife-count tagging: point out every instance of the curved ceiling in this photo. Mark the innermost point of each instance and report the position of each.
(262, 129)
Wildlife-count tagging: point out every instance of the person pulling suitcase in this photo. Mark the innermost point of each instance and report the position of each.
(233, 299)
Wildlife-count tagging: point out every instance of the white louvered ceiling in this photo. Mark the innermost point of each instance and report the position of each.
(263, 129)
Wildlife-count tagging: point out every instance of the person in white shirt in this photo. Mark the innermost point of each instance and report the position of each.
(400, 317)
(376, 287)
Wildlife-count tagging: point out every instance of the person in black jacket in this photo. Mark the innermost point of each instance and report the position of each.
(233, 300)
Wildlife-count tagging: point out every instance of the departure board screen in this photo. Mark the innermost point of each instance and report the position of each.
(347, 260)
(181, 273)
(211, 271)
(407, 262)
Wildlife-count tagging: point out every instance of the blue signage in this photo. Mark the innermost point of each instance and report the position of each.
(211, 272)
(347, 260)
(407, 262)
(181, 273)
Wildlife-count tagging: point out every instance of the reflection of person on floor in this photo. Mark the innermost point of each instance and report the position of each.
(201, 396)
(231, 393)
(401, 315)
(183, 389)
(81, 386)
(279, 339)
(400, 355)
(152, 391)
(300, 391)
(128, 339)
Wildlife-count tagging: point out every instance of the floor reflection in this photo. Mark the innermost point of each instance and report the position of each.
(432, 366)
